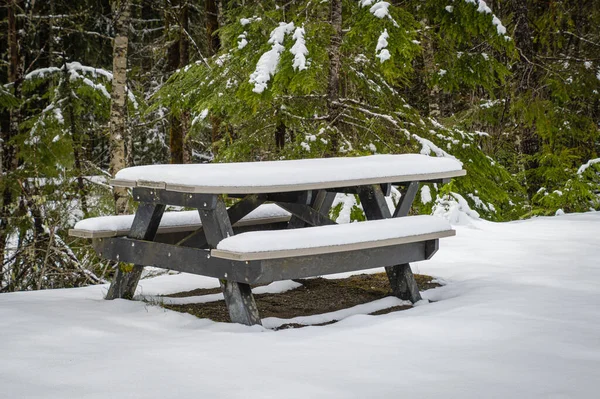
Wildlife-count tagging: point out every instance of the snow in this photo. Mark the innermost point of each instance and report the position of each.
(425, 194)
(71, 67)
(366, 308)
(427, 147)
(380, 9)
(246, 21)
(201, 116)
(380, 50)
(242, 42)
(518, 318)
(305, 145)
(273, 288)
(586, 165)
(455, 208)
(333, 235)
(267, 64)
(261, 176)
(347, 201)
(299, 49)
(483, 8)
(170, 219)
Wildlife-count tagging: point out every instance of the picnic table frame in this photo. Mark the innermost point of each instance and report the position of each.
(308, 206)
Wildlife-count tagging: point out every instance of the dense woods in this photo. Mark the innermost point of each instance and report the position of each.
(508, 87)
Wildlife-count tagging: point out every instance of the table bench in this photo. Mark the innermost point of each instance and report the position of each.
(300, 241)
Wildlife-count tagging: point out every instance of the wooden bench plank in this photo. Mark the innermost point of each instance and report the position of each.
(262, 245)
(171, 222)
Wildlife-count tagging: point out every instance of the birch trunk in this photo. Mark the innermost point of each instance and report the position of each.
(118, 109)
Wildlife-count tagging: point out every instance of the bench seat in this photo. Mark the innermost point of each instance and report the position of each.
(171, 222)
(262, 245)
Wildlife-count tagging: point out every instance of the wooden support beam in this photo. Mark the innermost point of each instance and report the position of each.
(402, 281)
(306, 214)
(374, 203)
(298, 197)
(144, 227)
(238, 296)
(406, 200)
(174, 257)
(199, 261)
(304, 198)
(243, 207)
(323, 202)
(236, 213)
(161, 196)
(386, 188)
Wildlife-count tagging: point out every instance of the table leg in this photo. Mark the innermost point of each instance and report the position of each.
(401, 278)
(144, 227)
(238, 296)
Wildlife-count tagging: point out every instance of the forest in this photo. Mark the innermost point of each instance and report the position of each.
(510, 88)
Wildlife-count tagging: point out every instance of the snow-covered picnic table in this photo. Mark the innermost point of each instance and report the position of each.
(279, 229)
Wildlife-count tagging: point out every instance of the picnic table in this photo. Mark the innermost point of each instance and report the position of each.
(279, 228)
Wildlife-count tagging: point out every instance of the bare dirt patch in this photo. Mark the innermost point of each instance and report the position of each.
(315, 296)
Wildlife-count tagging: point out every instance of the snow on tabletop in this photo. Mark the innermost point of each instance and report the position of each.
(333, 235)
(170, 219)
(244, 176)
(519, 318)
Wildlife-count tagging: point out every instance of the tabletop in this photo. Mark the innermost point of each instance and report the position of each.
(289, 175)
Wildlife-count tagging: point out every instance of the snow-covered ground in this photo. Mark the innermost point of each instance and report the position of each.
(519, 317)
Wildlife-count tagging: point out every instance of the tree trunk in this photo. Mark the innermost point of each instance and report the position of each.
(180, 124)
(213, 11)
(184, 60)
(8, 151)
(527, 141)
(333, 87)
(78, 150)
(118, 109)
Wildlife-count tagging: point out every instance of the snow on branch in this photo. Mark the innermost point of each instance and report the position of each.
(299, 49)
(586, 165)
(267, 64)
(380, 9)
(243, 41)
(483, 8)
(381, 51)
(246, 21)
(72, 68)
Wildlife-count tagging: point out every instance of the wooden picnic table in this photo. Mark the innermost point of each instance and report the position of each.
(303, 191)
